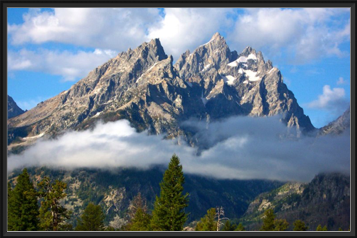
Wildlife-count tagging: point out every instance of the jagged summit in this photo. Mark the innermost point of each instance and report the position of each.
(145, 87)
(13, 109)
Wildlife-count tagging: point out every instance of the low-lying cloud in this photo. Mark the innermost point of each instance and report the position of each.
(252, 148)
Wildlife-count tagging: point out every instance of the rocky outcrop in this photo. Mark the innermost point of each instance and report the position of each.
(12, 109)
(145, 87)
(338, 126)
(325, 201)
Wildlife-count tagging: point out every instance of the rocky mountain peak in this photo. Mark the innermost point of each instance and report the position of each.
(12, 109)
(143, 86)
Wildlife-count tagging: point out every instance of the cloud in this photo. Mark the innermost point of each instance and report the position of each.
(305, 34)
(301, 35)
(252, 148)
(333, 101)
(67, 64)
(184, 29)
(110, 28)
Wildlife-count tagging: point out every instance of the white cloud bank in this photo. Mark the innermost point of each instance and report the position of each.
(252, 149)
(305, 33)
(70, 66)
(105, 28)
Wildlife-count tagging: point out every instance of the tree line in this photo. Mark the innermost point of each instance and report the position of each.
(31, 209)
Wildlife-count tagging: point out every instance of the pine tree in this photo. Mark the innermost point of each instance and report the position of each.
(92, 219)
(52, 213)
(22, 205)
(139, 218)
(268, 221)
(300, 226)
(168, 213)
(280, 225)
(240, 227)
(138, 202)
(208, 222)
(141, 221)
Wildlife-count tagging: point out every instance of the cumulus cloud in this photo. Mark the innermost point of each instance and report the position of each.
(332, 100)
(67, 64)
(110, 28)
(306, 34)
(184, 29)
(243, 148)
(303, 34)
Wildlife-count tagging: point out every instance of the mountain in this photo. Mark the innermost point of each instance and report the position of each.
(114, 190)
(12, 109)
(325, 200)
(338, 126)
(145, 87)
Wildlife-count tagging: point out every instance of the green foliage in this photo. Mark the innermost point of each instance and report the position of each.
(168, 213)
(240, 227)
(52, 213)
(208, 222)
(339, 229)
(139, 219)
(319, 228)
(22, 205)
(280, 225)
(228, 226)
(92, 219)
(300, 226)
(268, 221)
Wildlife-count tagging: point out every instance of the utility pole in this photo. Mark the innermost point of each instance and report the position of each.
(220, 216)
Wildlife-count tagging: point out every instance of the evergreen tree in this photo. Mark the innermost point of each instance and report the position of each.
(208, 222)
(300, 226)
(240, 227)
(22, 205)
(138, 202)
(280, 225)
(268, 221)
(52, 213)
(92, 219)
(139, 219)
(228, 226)
(168, 213)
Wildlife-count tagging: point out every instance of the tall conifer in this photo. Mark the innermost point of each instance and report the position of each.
(168, 213)
(22, 205)
(52, 213)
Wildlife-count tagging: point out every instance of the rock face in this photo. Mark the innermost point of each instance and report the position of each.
(338, 126)
(12, 109)
(145, 87)
(325, 200)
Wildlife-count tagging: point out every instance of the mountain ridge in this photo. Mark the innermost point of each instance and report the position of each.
(145, 87)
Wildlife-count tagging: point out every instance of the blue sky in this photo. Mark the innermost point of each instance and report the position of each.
(51, 49)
